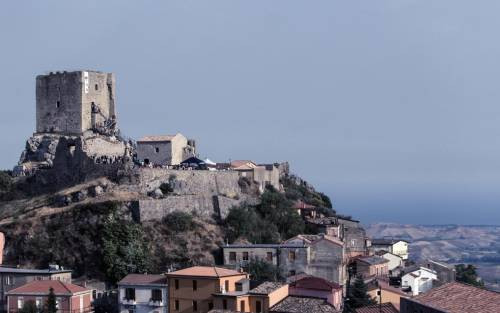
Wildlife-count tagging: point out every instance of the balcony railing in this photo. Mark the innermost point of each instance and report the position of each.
(128, 301)
(155, 302)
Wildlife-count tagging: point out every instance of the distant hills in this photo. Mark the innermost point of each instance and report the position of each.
(478, 245)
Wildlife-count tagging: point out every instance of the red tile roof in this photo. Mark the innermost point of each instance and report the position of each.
(299, 204)
(315, 283)
(42, 287)
(456, 297)
(143, 279)
(205, 271)
(384, 308)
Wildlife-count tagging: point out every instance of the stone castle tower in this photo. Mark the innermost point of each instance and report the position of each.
(70, 103)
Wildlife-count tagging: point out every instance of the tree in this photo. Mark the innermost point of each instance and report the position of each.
(29, 307)
(261, 271)
(51, 305)
(358, 295)
(125, 250)
(245, 222)
(467, 274)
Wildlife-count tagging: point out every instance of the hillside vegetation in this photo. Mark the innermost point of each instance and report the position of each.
(101, 240)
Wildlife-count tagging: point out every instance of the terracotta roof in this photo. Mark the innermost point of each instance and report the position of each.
(315, 283)
(323, 221)
(266, 288)
(143, 279)
(456, 297)
(304, 238)
(238, 163)
(42, 287)
(333, 239)
(384, 308)
(295, 304)
(205, 271)
(299, 204)
(156, 138)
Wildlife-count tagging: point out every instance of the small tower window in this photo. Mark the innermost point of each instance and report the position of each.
(96, 87)
(58, 104)
(157, 150)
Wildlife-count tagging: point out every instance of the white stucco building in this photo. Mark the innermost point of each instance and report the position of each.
(395, 261)
(419, 280)
(142, 293)
(395, 246)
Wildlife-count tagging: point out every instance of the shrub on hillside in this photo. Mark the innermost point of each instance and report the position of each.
(179, 222)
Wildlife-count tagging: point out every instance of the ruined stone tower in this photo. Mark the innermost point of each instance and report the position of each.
(70, 103)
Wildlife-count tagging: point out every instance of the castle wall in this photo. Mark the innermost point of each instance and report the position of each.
(190, 182)
(58, 98)
(64, 101)
(205, 206)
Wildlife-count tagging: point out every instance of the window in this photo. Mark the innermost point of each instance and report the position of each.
(129, 294)
(232, 256)
(156, 295)
(269, 256)
(226, 285)
(224, 304)
(291, 255)
(176, 284)
(258, 307)
(131, 311)
(96, 87)
(245, 256)
(177, 305)
(20, 302)
(195, 285)
(58, 104)
(38, 302)
(58, 301)
(195, 306)
(291, 273)
(210, 306)
(242, 306)
(9, 280)
(157, 150)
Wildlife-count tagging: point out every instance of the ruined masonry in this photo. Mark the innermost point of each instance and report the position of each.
(77, 140)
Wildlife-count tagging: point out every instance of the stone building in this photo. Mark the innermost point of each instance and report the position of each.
(290, 258)
(262, 174)
(71, 103)
(372, 266)
(446, 273)
(165, 149)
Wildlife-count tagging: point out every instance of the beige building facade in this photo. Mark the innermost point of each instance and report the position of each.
(165, 149)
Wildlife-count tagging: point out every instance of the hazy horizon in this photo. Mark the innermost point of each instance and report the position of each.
(389, 107)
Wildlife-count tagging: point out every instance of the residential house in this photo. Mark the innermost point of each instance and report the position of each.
(395, 261)
(295, 304)
(446, 273)
(11, 278)
(378, 308)
(381, 291)
(273, 297)
(192, 289)
(354, 236)
(306, 210)
(394, 246)
(419, 280)
(327, 225)
(165, 149)
(327, 257)
(70, 298)
(143, 293)
(290, 258)
(372, 266)
(315, 287)
(453, 298)
(262, 174)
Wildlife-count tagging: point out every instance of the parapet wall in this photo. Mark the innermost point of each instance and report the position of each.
(190, 182)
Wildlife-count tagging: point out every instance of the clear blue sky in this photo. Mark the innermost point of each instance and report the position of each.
(390, 107)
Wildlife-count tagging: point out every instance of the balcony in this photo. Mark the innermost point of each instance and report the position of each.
(126, 301)
(155, 302)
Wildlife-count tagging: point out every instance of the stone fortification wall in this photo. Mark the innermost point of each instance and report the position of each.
(190, 182)
(203, 193)
(204, 206)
